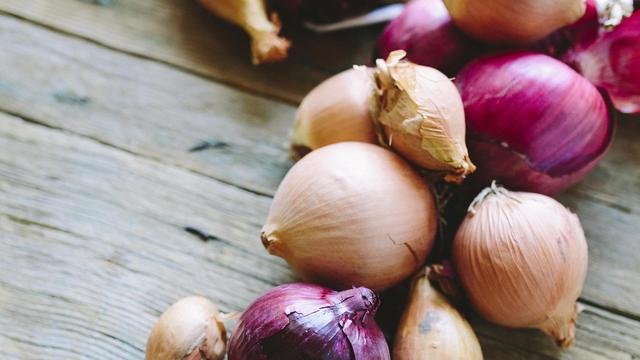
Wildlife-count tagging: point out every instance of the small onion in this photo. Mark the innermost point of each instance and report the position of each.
(534, 124)
(190, 329)
(352, 214)
(251, 15)
(522, 260)
(337, 110)
(513, 22)
(303, 321)
(422, 116)
(426, 32)
(613, 63)
(430, 328)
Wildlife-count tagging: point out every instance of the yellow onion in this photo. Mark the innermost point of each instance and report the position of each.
(352, 214)
(251, 15)
(422, 116)
(432, 329)
(337, 110)
(511, 21)
(190, 329)
(522, 260)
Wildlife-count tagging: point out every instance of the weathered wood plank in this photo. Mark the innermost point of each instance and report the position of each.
(158, 112)
(181, 33)
(93, 250)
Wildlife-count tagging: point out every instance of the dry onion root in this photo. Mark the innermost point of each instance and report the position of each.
(415, 110)
(251, 15)
(352, 214)
(522, 261)
(190, 329)
(514, 22)
(430, 328)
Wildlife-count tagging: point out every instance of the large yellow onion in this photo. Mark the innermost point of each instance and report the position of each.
(352, 214)
(422, 116)
(337, 110)
(522, 260)
(190, 329)
(432, 329)
(513, 21)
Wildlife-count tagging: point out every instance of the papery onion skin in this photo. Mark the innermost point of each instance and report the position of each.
(613, 63)
(251, 15)
(522, 260)
(337, 110)
(422, 116)
(430, 328)
(352, 214)
(533, 123)
(513, 22)
(426, 32)
(304, 321)
(190, 330)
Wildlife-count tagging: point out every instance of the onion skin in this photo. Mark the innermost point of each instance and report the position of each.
(432, 329)
(513, 22)
(251, 15)
(533, 123)
(304, 321)
(188, 330)
(522, 260)
(352, 214)
(337, 110)
(426, 32)
(422, 116)
(613, 63)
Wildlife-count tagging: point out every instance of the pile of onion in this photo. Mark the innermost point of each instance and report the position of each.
(533, 123)
(415, 110)
(304, 321)
(522, 260)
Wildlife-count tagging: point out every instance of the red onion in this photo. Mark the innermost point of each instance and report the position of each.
(427, 33)
(582, 32)
(323, 11)
(613, 63)
(533, 123)
(303, 321)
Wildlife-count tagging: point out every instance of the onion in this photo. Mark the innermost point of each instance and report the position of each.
(251, 15)
(513, 22)
(583, 31)
(613, 63)
(324, 11)
(190, 329)
(522, 260)
(430, 328)
(302, 321)
(426, 32)
(337, 110)
(352, 214)
(534, 124)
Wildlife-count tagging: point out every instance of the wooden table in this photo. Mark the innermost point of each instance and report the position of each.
(100, 102)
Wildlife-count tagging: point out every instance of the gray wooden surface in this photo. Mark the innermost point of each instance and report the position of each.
(99, 105)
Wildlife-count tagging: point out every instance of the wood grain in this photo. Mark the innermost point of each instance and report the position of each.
(158, 112)
(93, 251)
(181, 33)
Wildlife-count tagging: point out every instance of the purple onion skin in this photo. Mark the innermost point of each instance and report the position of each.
(426, 32)
(581, 33)
(533, 123)
(304, 321)
(613, 63)
(323, 11)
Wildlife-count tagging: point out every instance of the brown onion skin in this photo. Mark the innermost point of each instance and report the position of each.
(513, 22)
(432, 329)
(305, 321)
(533, 123)
(352, 214)
(522, 261)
